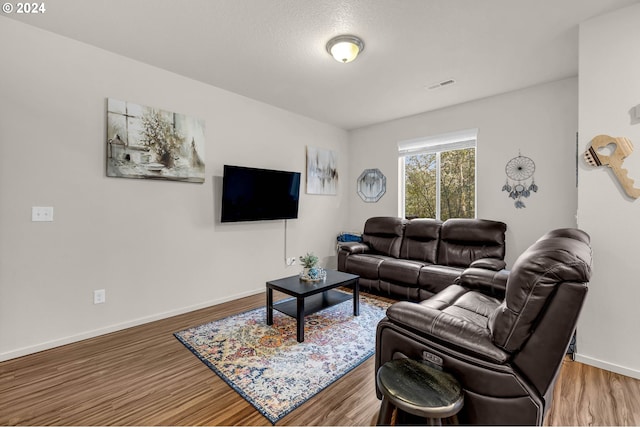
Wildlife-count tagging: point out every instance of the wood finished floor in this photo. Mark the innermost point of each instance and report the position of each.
(144, 376)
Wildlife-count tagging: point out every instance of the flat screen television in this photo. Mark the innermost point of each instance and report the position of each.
(250, 194)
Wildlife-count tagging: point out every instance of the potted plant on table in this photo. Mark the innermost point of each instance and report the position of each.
(310, 270)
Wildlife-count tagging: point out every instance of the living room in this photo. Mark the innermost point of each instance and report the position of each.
(158, 249)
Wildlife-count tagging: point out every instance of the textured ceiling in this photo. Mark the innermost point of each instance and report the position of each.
(274, 50)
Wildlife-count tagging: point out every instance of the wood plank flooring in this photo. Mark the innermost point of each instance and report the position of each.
(144, 376)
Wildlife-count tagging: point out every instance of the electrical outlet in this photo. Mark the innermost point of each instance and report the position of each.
(291, 261)
(41, 213)
(99, 296)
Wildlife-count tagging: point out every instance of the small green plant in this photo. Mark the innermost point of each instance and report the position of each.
(309, 260)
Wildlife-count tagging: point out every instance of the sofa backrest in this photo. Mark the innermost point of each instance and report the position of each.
(384, 234)
(560, 257)
(421, 239)
(463, 241)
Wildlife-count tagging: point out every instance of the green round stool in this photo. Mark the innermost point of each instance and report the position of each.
(417, 388)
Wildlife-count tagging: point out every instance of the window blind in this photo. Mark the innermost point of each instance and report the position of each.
(445, 142)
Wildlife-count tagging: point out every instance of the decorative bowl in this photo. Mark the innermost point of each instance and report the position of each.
(313, 274)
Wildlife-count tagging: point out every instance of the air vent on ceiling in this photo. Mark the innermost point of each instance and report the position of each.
(441, 84)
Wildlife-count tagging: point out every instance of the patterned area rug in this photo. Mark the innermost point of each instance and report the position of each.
(269, 368)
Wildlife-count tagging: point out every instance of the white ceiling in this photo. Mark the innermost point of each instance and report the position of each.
(274, 50)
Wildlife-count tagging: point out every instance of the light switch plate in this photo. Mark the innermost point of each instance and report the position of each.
(99, 296)
(42, 213)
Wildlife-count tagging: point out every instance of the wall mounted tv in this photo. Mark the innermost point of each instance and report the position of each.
(250, 194)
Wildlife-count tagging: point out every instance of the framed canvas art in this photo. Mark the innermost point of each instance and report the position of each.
(150, 143)
(322, 171)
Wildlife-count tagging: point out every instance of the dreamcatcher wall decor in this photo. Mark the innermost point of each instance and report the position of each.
(519, 170)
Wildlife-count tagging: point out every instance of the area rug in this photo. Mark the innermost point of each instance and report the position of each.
(269, 368)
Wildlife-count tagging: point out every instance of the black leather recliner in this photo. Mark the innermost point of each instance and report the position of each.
(506, 353)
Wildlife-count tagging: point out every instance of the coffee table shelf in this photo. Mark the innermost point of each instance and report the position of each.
(313, 303)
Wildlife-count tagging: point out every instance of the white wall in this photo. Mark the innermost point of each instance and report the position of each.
(609, 88)
(540, 121)
(155, 246)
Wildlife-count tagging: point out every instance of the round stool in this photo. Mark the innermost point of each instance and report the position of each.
(419, 389)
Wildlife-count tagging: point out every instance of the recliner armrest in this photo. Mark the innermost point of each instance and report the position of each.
(444, 327)
(354, 247)
(489, 264)
(488, 282)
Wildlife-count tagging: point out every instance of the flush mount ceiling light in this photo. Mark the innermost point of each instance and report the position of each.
(345, 48)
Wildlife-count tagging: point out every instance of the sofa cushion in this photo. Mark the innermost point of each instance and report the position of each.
(463, 241)
(384, 235)
(455, 315)
(400, 271)
(364, 265)
(435, 278)
(420, 242)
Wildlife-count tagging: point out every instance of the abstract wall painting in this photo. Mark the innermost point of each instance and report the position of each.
(150, 143)
(322, 171)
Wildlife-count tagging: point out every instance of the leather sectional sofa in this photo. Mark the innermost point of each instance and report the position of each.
(414, 259)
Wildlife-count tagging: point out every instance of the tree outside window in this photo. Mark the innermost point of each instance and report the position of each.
(420, 186)
(440, 183)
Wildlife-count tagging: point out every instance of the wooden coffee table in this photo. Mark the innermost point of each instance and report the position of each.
(311, 297)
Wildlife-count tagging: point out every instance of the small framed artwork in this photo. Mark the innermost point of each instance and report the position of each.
(372, 185)
(146, 142)
(322, 171)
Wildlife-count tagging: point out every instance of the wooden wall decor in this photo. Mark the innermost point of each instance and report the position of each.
(622, 149)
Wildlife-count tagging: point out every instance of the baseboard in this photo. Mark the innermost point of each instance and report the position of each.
(119, 326)
(622, 370)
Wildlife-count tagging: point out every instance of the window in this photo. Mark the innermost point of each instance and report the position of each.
(438, 176)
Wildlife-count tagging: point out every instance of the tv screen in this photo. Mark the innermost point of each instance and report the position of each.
(250, 194)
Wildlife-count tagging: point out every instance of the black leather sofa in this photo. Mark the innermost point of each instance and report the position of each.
(505, 352)
(414, 259)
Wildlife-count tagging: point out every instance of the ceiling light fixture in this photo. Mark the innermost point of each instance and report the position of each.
(345, 48)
